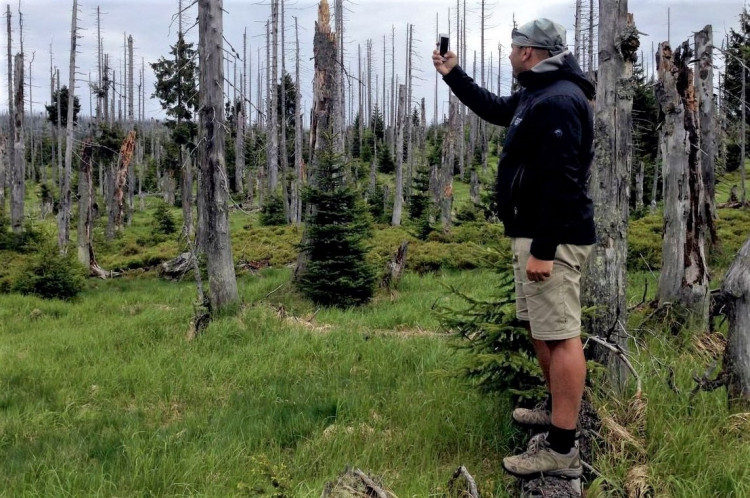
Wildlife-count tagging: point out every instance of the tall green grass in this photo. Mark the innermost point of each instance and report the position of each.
(103, 396)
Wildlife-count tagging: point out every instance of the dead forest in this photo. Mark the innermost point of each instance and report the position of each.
(237, 135)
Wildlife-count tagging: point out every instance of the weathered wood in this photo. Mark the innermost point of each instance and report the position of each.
(469, 486)
(704, 91)
(121, 178)
(604, 280)
(214, 189)
(11, 122)
(63, 225)
(684, 277)
(18, 168)
(176, 268)
(398, 197)
(85, 204)
(735, 294)
(394, 269)
(445, 183)
(272, 147)
(299, 167)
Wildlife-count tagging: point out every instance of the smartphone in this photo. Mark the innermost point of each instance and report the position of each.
(443, 43)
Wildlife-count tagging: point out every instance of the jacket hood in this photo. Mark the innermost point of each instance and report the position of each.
(563, 66)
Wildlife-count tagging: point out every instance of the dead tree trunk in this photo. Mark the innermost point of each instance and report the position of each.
(4, 164)
(214, 188)
(65, 201)
(121, 178)
(684, 276)
(85, 202)
(11, 121)
(704, 90)
(735, 295)
(324, 112)
(445, 182)
(18, 169)
(298, 161)
(604, 281)
(398, 197)
(273, 95)
(639, 176)
(131, 115)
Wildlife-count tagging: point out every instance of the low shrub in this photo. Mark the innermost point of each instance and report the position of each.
(51, 275)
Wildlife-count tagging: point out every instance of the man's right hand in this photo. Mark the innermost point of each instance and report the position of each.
(444, 63)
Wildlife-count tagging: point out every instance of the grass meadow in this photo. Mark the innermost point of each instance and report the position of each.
(103, 395)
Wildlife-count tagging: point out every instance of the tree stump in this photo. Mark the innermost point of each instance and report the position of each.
(394, 269)
(176, 268)
(735, 297)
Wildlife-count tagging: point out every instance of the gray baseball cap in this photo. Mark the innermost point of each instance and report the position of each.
(541, 33)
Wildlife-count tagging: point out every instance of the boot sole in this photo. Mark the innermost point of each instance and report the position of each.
(564, 473)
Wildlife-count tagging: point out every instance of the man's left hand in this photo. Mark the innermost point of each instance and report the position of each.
(538, 270)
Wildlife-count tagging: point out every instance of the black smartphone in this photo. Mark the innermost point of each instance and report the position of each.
(443, 43)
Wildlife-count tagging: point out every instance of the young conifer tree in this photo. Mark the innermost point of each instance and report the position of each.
(337, 272)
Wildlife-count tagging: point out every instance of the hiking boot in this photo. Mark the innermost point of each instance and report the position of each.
(537, 417)
(540, 459)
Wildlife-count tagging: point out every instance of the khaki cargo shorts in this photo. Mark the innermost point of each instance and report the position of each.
(553, 306)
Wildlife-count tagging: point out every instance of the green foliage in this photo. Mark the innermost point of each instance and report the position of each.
(377, 125)
(645, 242)
(385, 161)
(337, 272)
(62, 96)
(23, 242)
(176, 84)
(272, 212)
(376, 204)
(164, 223)
(51, 275)
(501, 357)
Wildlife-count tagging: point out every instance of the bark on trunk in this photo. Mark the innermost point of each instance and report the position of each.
(18, 169)
(273, 124)
(186, 193)
(121, 179)
(735, 293)
(12, 123)
(704, 90)
(604, 279)
(298, 161)
(639, 186)
(85, 202)
(4, 162)
(65, 202)
(684, 277)
(214, 189)
(445, 184)
(398, 197)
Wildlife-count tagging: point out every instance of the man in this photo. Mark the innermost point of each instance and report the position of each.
(542, 199)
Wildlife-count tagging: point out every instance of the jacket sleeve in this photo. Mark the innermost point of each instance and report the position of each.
(558, 169)
(485, 104)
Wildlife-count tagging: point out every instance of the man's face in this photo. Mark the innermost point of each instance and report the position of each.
(516, 57)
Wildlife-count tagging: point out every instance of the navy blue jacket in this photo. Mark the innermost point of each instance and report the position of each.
(542, 178)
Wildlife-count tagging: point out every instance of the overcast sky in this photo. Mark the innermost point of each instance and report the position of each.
(46, 24)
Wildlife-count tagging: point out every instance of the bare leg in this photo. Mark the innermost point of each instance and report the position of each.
(542, 356)
(567, 376)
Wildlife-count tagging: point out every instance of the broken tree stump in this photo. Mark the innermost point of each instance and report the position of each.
(735, 298)
(394, 269)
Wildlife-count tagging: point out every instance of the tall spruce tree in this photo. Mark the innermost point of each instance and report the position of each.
(338, 273)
